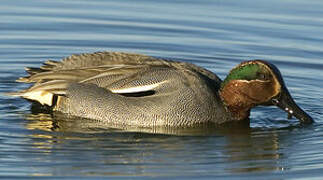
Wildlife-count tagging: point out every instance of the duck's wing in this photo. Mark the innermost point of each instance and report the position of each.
(121, 73)
(77, 67)
(89, 64)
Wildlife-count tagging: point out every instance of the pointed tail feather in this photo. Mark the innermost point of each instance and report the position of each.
(43, 92)
(43, 97)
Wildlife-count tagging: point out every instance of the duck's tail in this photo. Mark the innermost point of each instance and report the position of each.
(43, 97)
(43, 92)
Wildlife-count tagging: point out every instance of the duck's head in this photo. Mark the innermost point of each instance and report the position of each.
(257, 82)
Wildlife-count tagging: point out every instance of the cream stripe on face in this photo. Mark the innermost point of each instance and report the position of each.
(256, 80)
(138, 88)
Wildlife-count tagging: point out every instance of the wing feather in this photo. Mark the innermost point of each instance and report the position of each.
(120, 73)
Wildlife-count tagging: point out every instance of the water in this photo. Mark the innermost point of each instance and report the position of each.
(214, 34)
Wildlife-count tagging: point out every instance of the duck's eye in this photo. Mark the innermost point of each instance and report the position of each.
(262, 76)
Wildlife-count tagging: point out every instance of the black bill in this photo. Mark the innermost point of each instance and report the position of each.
(286, 102)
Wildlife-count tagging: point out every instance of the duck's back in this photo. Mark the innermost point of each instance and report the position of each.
(129, 89)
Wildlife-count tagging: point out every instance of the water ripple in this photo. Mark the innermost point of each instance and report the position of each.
(214, 34)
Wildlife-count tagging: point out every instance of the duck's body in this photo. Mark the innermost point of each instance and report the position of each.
(132, 89)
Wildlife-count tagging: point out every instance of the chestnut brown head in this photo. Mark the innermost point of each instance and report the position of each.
(258, 82)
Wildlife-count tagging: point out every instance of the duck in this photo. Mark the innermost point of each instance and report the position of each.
(144, 91)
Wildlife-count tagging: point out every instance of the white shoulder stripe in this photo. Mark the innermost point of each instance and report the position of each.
(137, 88)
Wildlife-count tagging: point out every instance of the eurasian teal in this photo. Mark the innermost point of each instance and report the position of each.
(139, 90)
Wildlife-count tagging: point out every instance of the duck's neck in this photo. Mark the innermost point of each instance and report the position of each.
(235, 100)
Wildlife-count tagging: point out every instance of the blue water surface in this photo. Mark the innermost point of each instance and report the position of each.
(214, 34)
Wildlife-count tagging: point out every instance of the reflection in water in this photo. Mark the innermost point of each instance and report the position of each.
(143, 152)
(214, 34)
(40, 121)
(259, 152)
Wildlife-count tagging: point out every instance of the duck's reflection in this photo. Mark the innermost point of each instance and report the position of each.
(258, 151)
(130, 150)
